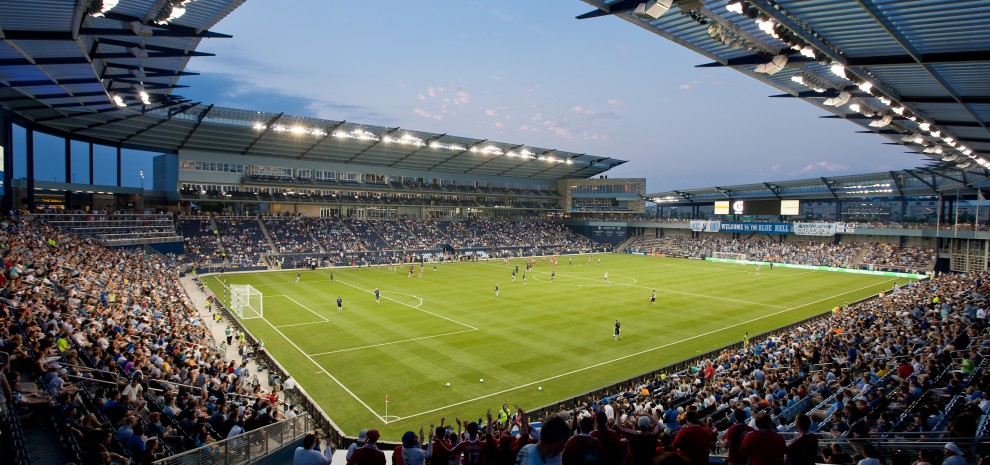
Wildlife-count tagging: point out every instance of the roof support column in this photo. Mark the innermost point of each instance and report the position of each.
(90, 163)
(68, 173)
(7, 145)
(29, 145)
(118, 167)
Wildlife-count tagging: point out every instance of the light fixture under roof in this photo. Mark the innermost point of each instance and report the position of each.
(838, 100)
(774, 66)
(838, 70)
(119, 101)
(882, 122)
(808, 52)
(145, 98)
(924, 126)
(865, 86)
(100, 8)
(735, 6)
(652, 9)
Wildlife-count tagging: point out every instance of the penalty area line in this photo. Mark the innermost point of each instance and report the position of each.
(391, 343)
(414, 307)
(324, 370)
(644, 351)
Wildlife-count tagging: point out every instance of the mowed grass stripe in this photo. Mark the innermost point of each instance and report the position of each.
(529, 333)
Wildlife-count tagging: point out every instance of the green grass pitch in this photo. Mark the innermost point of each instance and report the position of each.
(449, 327)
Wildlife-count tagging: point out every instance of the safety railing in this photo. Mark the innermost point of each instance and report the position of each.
(248, 447)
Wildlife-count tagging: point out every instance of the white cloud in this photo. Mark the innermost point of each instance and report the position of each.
(824, 165)
(684, 86)
(499, 124)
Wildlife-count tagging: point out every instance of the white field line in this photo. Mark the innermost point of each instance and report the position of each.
(705, 296)
(324, 370)
(392, 342)
(414, 307)
(307, 308)
(303, 324)
(634, 354)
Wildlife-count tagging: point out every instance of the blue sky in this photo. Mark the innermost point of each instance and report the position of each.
(527, 72)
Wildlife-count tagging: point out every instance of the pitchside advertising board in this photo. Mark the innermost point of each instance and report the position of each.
(758, 207)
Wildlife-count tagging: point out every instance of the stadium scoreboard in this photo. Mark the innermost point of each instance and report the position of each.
(758, 207)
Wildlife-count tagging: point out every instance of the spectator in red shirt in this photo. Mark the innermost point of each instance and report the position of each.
(583, 448)
(475, 449)
(693, 442)
(764, 446)
(804, 449)
(368, 454)
(642, 441)
(904, 370)
(610, 439)
(734, 436)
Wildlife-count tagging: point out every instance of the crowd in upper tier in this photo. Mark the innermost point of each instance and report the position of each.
(874, 256)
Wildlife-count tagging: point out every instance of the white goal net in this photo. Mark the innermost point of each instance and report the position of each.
(729, 255)
(246, 301)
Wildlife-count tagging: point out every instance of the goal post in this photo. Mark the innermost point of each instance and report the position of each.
(246, 302)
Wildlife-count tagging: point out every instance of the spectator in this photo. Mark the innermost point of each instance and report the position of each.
(306, 455)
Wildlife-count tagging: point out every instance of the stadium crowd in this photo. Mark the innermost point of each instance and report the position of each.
(844, 254)
(107, 342)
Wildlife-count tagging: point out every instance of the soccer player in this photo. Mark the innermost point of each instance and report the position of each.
(434, 267)
(298, 276)
(757, 269)
(570, 261)
(599, 260)
(496, 289)
(378, 296)
(340, 304)
(524, 277)
(615, 335)
(553, 274)
(653, 297)
(606, 275)
(331, 276)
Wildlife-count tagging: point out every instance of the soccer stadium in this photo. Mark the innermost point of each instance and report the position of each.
(290, 287)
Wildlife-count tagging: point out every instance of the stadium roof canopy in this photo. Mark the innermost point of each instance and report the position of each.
(103, 71)
(916, 72)
(894, 184)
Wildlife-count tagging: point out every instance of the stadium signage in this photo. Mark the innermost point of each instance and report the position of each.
(814, 229)
(705, 226)
(755, 227)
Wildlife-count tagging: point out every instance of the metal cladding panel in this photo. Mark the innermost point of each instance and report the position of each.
(968, 79)
(845, 25)
(909, 80)
(935, 26)
(37, 15)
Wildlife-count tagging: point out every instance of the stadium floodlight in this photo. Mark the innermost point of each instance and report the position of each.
(735, 6)
(838, 100)
(145, 98)
(652, 9)
(936, 134)
(898, 110)
(882, 122)
(925, 126)
(808, 52)
(884, 100)
(100, 8)
(865, 87)
(774, 66)
(798, 79)
(854, 107)
(766, 25)
(838, 70)
(119, 101)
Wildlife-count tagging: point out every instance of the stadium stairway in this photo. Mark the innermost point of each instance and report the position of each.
(198, 298)
(268, 236)
(626, 243)
(858, 261)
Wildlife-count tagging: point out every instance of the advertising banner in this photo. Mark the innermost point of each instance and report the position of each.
(814, 229)
(755, 227)
(705, 226)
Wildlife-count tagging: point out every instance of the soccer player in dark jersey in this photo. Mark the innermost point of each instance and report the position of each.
(378, 296)
(616, 336)
(653, 297)
(496, 290)
(340, 304)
